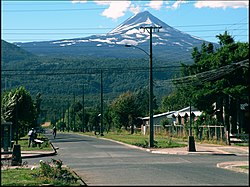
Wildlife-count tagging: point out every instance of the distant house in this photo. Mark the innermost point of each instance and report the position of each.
(176, 118)
(156, 121)
(182, 116)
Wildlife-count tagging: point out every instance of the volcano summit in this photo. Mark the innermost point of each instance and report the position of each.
(168, 42)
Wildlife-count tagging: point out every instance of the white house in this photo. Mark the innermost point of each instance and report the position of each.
(184, 114)
(156, 121)
(175, 117)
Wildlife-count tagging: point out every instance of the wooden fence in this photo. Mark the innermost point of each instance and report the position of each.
(206, 132)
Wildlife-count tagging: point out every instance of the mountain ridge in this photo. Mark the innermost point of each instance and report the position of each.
(167, 43)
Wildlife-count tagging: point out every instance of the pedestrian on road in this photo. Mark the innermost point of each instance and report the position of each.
(31, 135)
(54, 132)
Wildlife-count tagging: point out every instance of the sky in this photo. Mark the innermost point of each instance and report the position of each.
(26, 21)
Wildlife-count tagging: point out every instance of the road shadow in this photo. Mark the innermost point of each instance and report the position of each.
(60, 139)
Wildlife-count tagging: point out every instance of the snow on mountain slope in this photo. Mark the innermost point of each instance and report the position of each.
(166, 38)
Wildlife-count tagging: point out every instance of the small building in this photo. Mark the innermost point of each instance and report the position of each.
(182, 116)
(176, 118)
(156, 121)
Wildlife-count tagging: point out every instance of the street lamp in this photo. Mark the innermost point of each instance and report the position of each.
(129, 45)
(151, 124)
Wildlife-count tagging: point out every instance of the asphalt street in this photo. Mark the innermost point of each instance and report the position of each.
(107, 163)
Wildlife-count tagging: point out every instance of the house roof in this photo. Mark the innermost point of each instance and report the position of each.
(186, 111)
(168, 114)
(182, 113)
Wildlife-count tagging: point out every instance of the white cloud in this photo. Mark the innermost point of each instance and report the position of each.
(176, 4)
(222, 4)
(103, 2)
(116, 9)
(155, 4)
(79, 1)
(134, 9)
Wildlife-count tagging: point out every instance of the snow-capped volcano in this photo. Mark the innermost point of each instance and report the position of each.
(135, 22)
(131, 32)
(165, 40)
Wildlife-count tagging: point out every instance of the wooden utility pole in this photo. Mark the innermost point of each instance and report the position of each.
(83, 115)
(101, 116)
(151, 124)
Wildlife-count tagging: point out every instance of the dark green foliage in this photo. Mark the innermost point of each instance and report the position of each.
(126, 109)
(219, 77)
(57, 79)
(18, 107)
(11, 53)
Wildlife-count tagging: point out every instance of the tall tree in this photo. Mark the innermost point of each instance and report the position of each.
(217, 77)
(18, 107)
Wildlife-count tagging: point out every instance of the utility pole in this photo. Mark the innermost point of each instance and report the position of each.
(151, 123)
(68, 117)
(17, 125)
(191, 143)
(63, 118)
(101, 116)
(74, 116)
(83, 117)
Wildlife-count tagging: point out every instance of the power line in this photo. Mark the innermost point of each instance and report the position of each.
(30, 33)
(81, 71)
(44, 39)
(212, 74)
(99, 28)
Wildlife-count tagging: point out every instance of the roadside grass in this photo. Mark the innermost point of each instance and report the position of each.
(27, 177)
(45, 146)
(137, 139)
(39, 176)
(162, 139)
(243, 167)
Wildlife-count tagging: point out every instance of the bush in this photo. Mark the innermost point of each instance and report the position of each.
(53, 170)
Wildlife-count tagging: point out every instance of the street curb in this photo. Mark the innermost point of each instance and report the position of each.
(82, 182)
(234, 166)
(31, 155)
(186, 152)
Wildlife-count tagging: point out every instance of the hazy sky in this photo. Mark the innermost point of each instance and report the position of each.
(23, 21)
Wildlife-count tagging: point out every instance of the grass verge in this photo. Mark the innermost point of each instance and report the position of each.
(160, 141)
(39, 176)
(45, 146)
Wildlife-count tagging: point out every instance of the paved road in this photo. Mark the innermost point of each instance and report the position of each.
(103, 162)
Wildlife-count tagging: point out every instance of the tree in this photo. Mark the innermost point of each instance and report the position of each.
(124, 108)
(18, 107)
(37, 105)
(223, 79)
(94, 119)
(225, 39)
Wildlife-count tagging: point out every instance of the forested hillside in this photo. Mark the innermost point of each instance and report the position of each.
(59, 79)
(10, 52)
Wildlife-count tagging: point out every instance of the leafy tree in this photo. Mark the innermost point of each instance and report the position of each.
(107, 120)
(165, 122)
(225, 39)
(18, 107)
(174, 101)
(225, 88)
(37, 105)
(94, 119)
(124, 108)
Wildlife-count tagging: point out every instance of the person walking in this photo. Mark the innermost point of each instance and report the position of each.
(31, 134)
(54, 132)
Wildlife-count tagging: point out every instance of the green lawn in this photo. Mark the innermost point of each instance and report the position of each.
(137, 139)
(27, 177)
(243, 167)
(44, 147)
